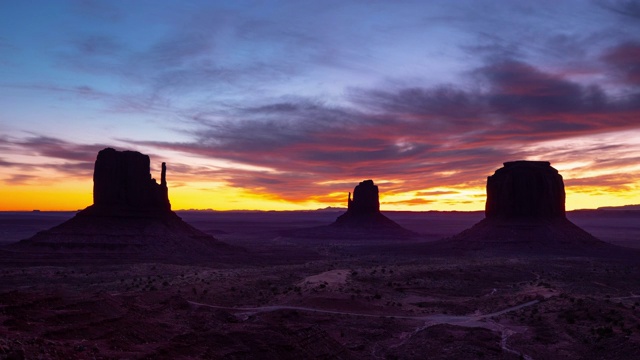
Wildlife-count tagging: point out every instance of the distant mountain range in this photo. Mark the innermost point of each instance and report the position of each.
(625, 207)
(331, 209)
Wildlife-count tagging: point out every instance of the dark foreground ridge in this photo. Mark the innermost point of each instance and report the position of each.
(525, 215)
(363, 219)
(131, 218)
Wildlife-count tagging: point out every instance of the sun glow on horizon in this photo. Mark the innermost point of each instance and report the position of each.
(76, 195)
(67, 196)
(285, 105)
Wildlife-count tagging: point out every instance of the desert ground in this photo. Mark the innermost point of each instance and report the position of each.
(303, 298)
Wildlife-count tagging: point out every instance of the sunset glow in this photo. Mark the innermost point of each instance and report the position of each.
(287, 105)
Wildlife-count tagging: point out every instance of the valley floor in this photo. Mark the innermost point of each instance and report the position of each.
(338, 300)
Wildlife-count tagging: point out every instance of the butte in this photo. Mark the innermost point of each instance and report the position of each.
(362, 220)
(363, 211)
(525, 215)
(130, 220)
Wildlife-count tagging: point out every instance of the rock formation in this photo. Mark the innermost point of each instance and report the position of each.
(363, 212)
(365, 198)
(525, 189)
(362, 222)
(525, 214)
(121, 180)
(364, 209)
(130, 218)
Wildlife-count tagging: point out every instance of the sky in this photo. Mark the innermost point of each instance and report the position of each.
(287, 105)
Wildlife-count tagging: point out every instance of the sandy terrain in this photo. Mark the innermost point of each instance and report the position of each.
(290, 298)
(329, 278)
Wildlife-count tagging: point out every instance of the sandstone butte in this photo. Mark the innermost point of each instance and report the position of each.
(130, 218)
(363, 212)
(525, 214)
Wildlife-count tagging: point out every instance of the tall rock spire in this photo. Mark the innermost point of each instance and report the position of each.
(163, 175)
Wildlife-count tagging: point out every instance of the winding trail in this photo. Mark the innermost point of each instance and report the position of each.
(475, 320)
(632, 296)
(436, 318)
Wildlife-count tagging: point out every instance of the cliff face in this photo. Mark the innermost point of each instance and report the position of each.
(525, 189)
(130, 220)
(122, 180)
(365, 199)
(524, 215)
(363, 217)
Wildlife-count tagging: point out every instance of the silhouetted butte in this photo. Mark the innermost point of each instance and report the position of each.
(525, 214)
(362, 221)
(525, 189)
(122, 182)
(363, 212)
(130, 218)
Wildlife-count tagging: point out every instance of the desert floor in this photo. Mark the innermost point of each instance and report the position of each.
(289, 298)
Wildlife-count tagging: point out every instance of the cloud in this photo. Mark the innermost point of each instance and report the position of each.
(517, 88)
(625, 60)
(439, 106)
(59, 149)
(419, 137)
(436, 193)
(611, 183)
(20, 179)
(412, 137)
(49, 159)
(627, 8)
(98, 45)
(410, 202)
(218, 49)
(350, 109)
(98, 10)
(5, 163)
